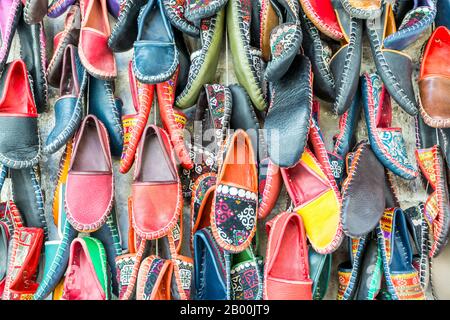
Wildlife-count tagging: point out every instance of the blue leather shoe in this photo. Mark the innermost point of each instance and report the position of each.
(443, 13)
(155, 57)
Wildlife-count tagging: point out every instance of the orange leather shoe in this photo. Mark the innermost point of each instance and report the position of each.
(286, 271)
(270, 182)
(236, 198)
(154, 278)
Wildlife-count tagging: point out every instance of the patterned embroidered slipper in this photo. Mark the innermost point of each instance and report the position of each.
(124, 269)
(196, 10)
(70, 35)
(437, 210)
(288, 126)
(393, 66)
(173, 120)
(402, 279)
(134, 125)
(363, 192)
(346, 62)
(319, 272)
(10, 14)
(58, 7)
(414, 23)
(69, 106)
(317, 202)
(363, 9)
(211, 268)
(125, 31)
(387, 142)
(87, 276)
(246, 58)
(270, 182)
(153, 282)
(34, 11)
(322, 15)
(268, 21)
(201, 201)
(175, 11)
(23, 264)
(236, 197)
(245, 276)
(434, 80)
(155, 38)
(204, 61)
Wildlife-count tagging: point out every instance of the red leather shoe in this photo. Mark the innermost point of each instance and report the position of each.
(286, 272)
(95, 55)
(270, 182)
(142, 95)
(172, 119)
(90, 184)
(156, 189)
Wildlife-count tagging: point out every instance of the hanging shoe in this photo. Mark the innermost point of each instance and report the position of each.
(10, 14)
(175, 12)
(34, 11)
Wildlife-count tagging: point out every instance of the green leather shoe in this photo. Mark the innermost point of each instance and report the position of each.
(246, 276)
(319, 272)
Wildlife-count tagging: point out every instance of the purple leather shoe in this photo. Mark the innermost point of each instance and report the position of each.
(10, 11)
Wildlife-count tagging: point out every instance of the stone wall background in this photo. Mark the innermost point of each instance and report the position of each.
(410, 192)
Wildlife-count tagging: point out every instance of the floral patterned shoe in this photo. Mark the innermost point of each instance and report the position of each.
(196, 10)
(387, 142)
(402, 279)
(236, 197)
(201, 202)
(175, 11)
(245, 276)
(153, 282)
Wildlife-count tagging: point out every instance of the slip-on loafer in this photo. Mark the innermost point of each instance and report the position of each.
(363, 192)
(387, 142)
(155, 179)
(393, 66)
(319, 272)
(443, 13)
(285, 124)
(155, 39)
(95, 55)
(402, 279)
(70, 35)
(434, 80)
(108, 109)
(10, 14)
(4, 241)
(26, 246)
(154, 278)
(345, 64)
(19, 142)
(236, 198)
(134, 125)
(173, 119)
(87, 274)
(201, 201)
(270, 182)
(317, 202)
(286, 271)
(321, 14)
(246, 58)
(285, 41)
(204, 61)
(196, 10)
(349, 271)
(268, 20)
(211, 267)
(175, 12)
(58, 7)
(90, 184)
(124, 270)
(414, 23)
(69, 106)
(246, 278)
(34, 11)
(437, 210)
(125, 31)
(363, 9)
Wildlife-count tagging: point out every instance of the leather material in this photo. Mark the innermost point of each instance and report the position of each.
(10, 13)
(243, 53)
(319, 272)
(34, 10)
(316, 200)
(155, 39)
(58, 7)
(154, 277)
(286, 271)
(322, 15)
(108, 109)
(281, 123)
(268, 21)
(125, 31)
(363, 198)
(270, 182)
(371, 273)
(363, 9)
(70, 35)
(196, 10)
(114, 7)
(204, 61)
(87, 275)
(443, 13)
(434, 80)
(175, 12)
(19, 141)
(155, 178)
(387, 142)
(201, 202)
(246, 276)
(90, 184)
(95, 55)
